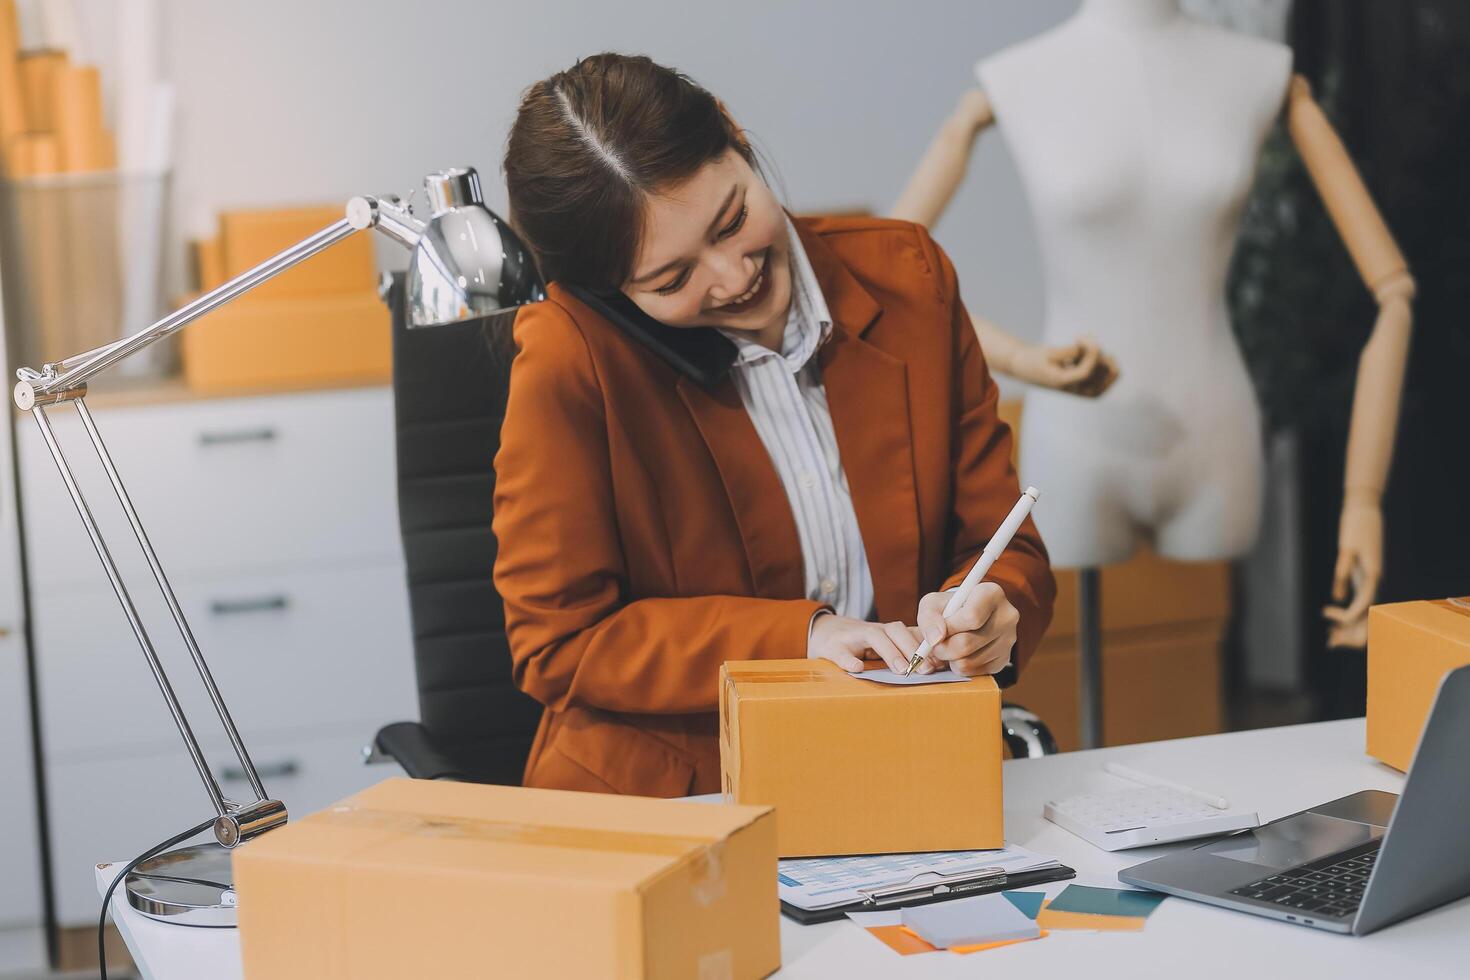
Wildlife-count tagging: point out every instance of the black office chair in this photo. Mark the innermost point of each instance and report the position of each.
(449, 388)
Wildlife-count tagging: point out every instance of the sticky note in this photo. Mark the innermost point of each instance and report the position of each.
(970, 922)
(1106, 901)
(984, 946)
(1047, 919)
(886, 676)
(901, 940)
(1028, 902)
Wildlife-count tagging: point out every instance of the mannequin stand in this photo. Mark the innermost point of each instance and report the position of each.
(1089, 662)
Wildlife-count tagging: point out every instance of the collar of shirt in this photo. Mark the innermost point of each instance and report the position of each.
(808, 321)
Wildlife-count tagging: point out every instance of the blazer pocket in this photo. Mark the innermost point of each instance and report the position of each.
(627, 759)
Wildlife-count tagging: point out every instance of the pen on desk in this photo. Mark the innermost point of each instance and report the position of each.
(998, 543)
(1218, 802)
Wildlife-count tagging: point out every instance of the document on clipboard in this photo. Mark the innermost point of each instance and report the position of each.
(821, 889)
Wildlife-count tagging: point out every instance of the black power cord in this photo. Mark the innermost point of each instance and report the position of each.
(107, 899)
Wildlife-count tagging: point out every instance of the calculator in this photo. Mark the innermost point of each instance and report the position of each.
(1139, 816)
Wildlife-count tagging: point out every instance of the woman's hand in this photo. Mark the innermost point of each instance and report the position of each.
(848, 642)
(976, 639)
(1081, 368)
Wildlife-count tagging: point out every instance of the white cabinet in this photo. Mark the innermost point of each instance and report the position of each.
(275, 520)
(22, 942)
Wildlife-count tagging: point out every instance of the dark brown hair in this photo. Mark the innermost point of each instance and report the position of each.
(588, 146)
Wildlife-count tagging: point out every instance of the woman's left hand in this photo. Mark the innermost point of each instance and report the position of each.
(976, 639)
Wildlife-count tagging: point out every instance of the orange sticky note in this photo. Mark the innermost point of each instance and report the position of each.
(1005, 942)
(1047, 919)
(901, 940)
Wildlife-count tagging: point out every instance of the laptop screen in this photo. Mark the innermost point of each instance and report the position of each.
(1295, 840)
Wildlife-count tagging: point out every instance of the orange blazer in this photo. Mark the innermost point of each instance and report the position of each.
(645, 538)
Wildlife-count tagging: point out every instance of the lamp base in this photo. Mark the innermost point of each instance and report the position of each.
(189, 886)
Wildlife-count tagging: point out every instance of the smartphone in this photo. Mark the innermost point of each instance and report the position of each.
(702, 354)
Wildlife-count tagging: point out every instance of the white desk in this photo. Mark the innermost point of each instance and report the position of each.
(1277, 771)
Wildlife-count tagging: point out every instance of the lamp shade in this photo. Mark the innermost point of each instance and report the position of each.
(468, 262)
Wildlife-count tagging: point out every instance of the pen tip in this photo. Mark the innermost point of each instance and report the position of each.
(1033, 493)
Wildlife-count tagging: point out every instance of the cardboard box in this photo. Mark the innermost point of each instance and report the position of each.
(1147, 590)
(1411, 646)
(855, 767)
(248, 238)
(416, 878)
(1159, 682)
(302, 341)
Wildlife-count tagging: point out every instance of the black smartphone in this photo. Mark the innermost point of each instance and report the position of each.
(702, 354)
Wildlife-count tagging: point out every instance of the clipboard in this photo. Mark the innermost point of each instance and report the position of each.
(942, 891)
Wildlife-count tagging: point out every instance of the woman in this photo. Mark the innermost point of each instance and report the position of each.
(844, 465)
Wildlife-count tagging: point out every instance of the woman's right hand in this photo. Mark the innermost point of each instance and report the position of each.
(848, 642)
(1081, 368)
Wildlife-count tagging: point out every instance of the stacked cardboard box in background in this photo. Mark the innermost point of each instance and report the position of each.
(50, 109)
(320, 323)
(1162, 624)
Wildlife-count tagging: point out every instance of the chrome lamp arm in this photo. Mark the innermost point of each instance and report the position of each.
(465, 263)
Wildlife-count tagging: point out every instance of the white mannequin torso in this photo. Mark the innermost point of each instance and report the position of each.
(1137, 131)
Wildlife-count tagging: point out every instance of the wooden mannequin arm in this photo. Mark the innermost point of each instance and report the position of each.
(942, 169)
(1380, 377)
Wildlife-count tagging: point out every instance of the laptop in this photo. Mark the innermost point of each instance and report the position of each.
(1356, 864)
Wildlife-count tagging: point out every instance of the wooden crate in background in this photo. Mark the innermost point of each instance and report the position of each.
(1162, 623)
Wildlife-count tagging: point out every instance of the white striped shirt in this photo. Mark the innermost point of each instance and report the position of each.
(783, 394)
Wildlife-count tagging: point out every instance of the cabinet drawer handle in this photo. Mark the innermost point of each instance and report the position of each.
(231, 437)
(231, 607)
(269, 770)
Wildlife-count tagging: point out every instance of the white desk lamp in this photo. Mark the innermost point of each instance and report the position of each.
(466, 263)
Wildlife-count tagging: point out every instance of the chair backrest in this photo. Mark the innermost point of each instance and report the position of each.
(449, 388)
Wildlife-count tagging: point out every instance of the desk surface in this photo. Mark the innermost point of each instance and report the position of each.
(1277, 771)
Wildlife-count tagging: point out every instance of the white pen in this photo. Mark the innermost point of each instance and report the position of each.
(998, 542)
(1218, 802)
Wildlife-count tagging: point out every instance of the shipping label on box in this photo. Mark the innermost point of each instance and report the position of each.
(854, 767)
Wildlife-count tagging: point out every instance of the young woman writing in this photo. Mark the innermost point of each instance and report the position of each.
(843, 466)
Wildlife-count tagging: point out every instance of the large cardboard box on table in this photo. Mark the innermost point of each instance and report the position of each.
(1411, 646)
(414, 878)
(857, 767)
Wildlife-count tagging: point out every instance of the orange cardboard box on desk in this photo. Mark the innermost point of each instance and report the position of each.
(416, 878)
(1411, 646)
(857, 767)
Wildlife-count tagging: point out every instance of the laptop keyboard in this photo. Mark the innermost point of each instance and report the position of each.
(1331, 888)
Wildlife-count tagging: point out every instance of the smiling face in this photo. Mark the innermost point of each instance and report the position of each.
(715, 252)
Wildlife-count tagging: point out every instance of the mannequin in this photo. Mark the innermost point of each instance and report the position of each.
(1079, 368)
(1136, 131)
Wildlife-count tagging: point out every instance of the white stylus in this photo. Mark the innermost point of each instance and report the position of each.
(999, 541)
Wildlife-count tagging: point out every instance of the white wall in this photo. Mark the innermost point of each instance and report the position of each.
(312, 101)
(317, 100)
